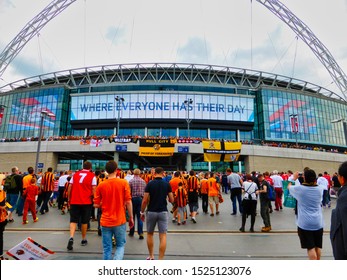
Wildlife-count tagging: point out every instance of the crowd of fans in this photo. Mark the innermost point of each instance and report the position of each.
(114, 138)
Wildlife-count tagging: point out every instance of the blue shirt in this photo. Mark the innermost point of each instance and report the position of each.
(310, 216)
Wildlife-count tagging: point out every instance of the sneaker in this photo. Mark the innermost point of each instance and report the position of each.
(251, 229)
(178, 224)
(217, 213)
(25, 222)
(265, 229)
(11, 220)
(242, 229)
(36, 220)
(194, 220)
(84, 242)
(211, 214)
(141, 237)
(174, 220)
(70, 244)
(184, 222)
(149, 259)
(99, 231)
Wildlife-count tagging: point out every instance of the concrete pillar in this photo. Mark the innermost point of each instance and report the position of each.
(189, 162)
(116, 157)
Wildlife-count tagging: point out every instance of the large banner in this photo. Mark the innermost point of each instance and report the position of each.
(215, 151)
(157, 147)
(163, 106)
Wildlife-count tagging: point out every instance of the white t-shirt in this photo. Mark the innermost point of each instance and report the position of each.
(249, 188)
(321, 181)
(278, 181)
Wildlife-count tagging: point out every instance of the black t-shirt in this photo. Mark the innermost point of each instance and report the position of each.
(264, 196)
(336, 182)
(158, 190)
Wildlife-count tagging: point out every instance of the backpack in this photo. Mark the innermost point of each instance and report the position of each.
(271, 192)
(10, 183)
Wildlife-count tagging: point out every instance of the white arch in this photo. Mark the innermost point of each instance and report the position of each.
(276, 7)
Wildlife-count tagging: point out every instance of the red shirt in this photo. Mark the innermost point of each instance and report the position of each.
(82, 184)
(31, 192)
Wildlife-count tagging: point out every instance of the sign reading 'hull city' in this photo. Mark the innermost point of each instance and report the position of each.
(163, 106)
(157, 147)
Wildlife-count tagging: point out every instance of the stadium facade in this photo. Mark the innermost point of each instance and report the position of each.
(265, 111)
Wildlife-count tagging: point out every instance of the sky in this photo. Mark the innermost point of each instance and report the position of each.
(235, 33)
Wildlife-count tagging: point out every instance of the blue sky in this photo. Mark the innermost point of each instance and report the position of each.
(234, 33)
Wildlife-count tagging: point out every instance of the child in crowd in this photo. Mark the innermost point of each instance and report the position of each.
(54, 198)
(29, 195)
(181, 202)
(65, 195)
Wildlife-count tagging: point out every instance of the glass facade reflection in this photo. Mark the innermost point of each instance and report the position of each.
(220, 97)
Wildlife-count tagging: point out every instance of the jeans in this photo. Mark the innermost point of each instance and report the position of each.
(12, 198)
(45, 197)
(236, 194)
(20, 205)
(119, 234)
(264, 212)
(137, 201)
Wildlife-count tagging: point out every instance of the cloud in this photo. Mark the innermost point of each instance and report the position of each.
(195, 50)
(116, 34)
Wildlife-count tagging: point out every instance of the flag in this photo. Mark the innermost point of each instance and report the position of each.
(216, 151)
(157, 147)
(85, 142)
(95, 142)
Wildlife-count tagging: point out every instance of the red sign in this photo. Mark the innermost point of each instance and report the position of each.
(294, 121)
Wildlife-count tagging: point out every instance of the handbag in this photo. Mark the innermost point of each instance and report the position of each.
(289, 201)
(220, 198)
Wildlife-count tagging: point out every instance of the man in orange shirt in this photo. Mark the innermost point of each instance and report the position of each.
(113, 196)
(174, 186)
(213, 191)
(204, 192)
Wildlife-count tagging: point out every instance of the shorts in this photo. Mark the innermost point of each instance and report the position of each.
(80, 212)
(193, 206)
(310, 239)
(160, 218)
(213, 199)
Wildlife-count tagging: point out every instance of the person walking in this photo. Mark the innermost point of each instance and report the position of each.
(310, 217)
(193, 187)
(264, 203)
(156, 194)
(3, 216)
(113, 196)
(235, 183)
(174, 182)
(213, 192)
(13, 186)
(137, 187)
(204, 192)
(278, 186)
(47, 187)
(338, 228)
(249, 202)
(29, 195)
(80, 197)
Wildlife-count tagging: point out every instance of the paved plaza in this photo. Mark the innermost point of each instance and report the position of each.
(215, 237)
